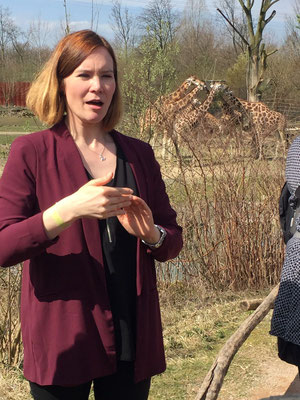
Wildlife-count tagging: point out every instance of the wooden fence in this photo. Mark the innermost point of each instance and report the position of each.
(13, 93)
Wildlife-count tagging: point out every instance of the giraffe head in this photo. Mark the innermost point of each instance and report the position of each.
(218, 86)
(196, 102)
(193, 80)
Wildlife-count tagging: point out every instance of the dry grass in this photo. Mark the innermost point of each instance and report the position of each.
(196, 325)
(12, 385)
(227, 203)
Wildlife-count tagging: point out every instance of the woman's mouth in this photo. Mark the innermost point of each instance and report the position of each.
(95, 103)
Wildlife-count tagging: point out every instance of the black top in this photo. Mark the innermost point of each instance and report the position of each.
(119, 257)
(288, 352)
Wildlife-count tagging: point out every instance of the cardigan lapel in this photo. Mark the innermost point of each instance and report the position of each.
(135, 160)
(77, 174)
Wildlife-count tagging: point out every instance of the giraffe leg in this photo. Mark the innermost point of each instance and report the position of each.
(164, 143)
(255, 144)
(260, 146)
(284, 140)
(169, 148)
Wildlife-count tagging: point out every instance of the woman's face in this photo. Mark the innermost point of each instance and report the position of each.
(89, 89)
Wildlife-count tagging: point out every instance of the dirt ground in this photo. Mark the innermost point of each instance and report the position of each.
(279, 378)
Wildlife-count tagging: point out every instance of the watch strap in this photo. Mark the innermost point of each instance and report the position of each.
(156, 245)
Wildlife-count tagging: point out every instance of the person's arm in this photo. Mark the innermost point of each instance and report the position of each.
(22, 233)
(25, 231)
(138, 221)
(140, 218)
(92, 200)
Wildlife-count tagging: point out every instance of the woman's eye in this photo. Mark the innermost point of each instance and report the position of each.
(83, 75)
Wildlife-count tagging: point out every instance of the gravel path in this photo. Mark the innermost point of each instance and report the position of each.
(278, 378)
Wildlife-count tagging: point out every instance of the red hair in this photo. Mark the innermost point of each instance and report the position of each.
(45, 97)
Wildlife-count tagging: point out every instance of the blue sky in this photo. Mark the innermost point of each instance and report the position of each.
(51, 14)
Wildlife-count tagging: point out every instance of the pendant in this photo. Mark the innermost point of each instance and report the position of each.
(102, 158)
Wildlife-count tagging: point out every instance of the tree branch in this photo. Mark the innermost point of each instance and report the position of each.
(271, 52)
(233, 27)
(273, 2)
(270, 17)
(247, 11)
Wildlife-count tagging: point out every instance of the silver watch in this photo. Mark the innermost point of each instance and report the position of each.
(163, 234)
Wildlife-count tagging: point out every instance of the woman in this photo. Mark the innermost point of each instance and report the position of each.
(79, 203)
(286, 316)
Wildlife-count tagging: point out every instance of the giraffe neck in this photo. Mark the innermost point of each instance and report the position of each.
(192, 113)
(178, 93)
(206, 104)
(203, 108)
(241, 105)
(183, 102)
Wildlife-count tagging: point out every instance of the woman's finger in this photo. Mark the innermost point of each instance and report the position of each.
(100, 181)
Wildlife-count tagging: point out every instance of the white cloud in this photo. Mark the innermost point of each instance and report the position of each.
(77, 25)
(132, 3)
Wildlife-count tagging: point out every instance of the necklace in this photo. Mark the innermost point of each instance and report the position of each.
(101, 156)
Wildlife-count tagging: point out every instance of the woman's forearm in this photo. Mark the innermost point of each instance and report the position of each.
(58, 217)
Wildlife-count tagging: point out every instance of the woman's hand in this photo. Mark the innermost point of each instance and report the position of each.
(138, 221)
(92, 200)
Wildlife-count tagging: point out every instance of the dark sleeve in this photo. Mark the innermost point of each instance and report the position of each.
(163, 214)
(22, 233)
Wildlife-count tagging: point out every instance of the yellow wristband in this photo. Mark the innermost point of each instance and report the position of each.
(57, 218)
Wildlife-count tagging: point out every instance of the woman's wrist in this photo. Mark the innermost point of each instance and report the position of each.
(58, 217)
(65, 208)
(160, 238)
(153, 236)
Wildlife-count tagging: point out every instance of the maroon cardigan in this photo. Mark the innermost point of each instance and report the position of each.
(66, 319)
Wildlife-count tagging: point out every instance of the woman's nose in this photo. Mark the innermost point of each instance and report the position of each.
(96, 83)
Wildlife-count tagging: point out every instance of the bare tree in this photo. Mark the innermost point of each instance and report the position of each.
(123, 27)
(38, 35)
(160, 22)
(67, 26)
(193, 14)
(198, 43)
(256, 49)
(94, 16)
(9, 32)
(238, 19)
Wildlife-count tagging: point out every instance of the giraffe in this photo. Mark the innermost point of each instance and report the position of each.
(211, 124)
(234, 116)
(161, 121)
(161, 112)
(263, 121)
(196, 113)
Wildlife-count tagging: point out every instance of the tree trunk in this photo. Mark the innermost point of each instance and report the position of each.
(247, 305)
(213, 381)
(253, 78)
(257, 54)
